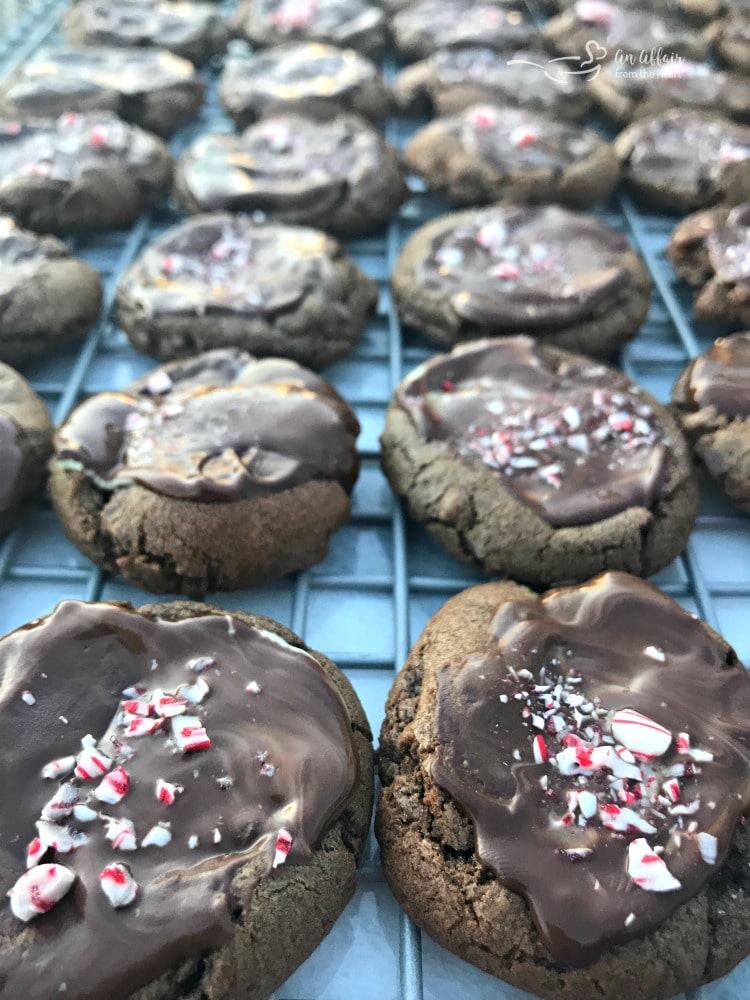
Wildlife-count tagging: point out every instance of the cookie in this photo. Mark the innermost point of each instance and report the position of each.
(215, 473)
(595, 29)
(25, 444)
(538, 464)
(307, 78)
(454, 79)
(567, 278)
(429, 25)
(563, 780)
(195, 31)
(681, 160)
(711, 250)
(625, 94)
(487, 153)
(697, 10)
(191, 782)
(712, 397)
(349, 24)
(731, 40)
(80, 173)
(339, 175)
(221, 280)
(148, 87)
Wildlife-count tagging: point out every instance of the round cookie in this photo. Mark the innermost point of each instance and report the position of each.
(534, 463)
(481, 808)
(487, 153)
(194, 31)
(216, 473)
(712, 398)
(148, 87)
(567, 278)
(25, 444)
(81, 172)
(683, 159)
(340, 175)
(427, 26)
(731, 40)
(454, 79)
(215, 778)
(350, 24)
(222, 280)
(47, 297)
(307, 78)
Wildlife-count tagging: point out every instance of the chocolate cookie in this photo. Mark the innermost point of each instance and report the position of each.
(711, 250)
(697, 10)
(731, 40)
(81, 172)
(487, 152)
(180, 785)
(340, 175)
(350, 24)
(148, 87)
(222, 280)
(569, 279)
(25, 444)
(538, 464)
(600, 31)
(712, 397)
(626, 93)
(308, 78)
(429, 25)
(683, 159)
(47, 297)
(564, 780)
(215, 473)
(454, 79)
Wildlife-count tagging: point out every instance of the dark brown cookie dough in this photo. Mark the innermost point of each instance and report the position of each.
(247, 838)
(427, 26)
(712, 398)
(195, 31)
(47, 297)
(537, 464)
(81, 172)
(349, 24)
(341, 175)
(25, 444)
(453, 79)
(456, 693)
(487, 153)
(222, 280)
(148, 87)
(681, 160)
(566, 278)
(307, 78)
(215, 473)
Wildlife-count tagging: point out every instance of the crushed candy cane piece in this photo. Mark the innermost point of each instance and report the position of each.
(655, 652)
(113, 787)
(576, 853)
(28, 698)
(192, 841)
(253, 687)
(623, 819)
(587, 804)
(134, 692)
(118, 885)
(194, 693)
(167, 791)
(701, 756)
(682, 743)
(59, 768)
(35, 852)
(62, 802)
(224, 782)
(217, 835)
(671, 789)
(138, 707)
(38, 889)
(201, 663)
(708, 845)
(84, 813)
(168, 705)
(158, 836)
(189, 734)
(91, 764)
(61, 838)
(541, 753)
(121, 833)
(645, 738)
(648, 870)
(159, 382)
(135, 725)
(283, 847)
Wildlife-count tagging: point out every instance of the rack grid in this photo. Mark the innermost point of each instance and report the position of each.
(368, 602)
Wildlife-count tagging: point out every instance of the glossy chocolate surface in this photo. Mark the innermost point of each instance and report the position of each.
(721, 377)
(615, 643)
(281, 758)
(680, 83)
(339, 22)
(11, 467)
(728, 247)
(443, 24)
(629, 30)
(145, 22)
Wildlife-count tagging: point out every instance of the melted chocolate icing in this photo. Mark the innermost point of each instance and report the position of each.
(281, 758)
(510, 267)
(331, 21)
(516, 79)
(11, 468)
(613, 643)
(680, 83)
(573, 439)
(218, 428)
(728, 247)
(629, 30)
(145, 22)
(454, 24)
(721, 377)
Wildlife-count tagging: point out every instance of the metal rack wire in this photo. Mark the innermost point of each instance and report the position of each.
(384, 577)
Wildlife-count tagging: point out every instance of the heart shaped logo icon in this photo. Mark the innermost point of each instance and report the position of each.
(595, 53)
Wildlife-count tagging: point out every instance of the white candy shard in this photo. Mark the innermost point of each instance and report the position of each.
(189, 733)
(647, 869)
(253, 687)
(168, 705)
(59, 768)
(113, 787)
(283, 847)
(62, 802)
(135, 725)
(192, 841)
(201, 663)
(685, 810)
(158, 836)
(167, 792)
(122, 834)
(622, 819)
(61, 838)
(655, 652)
(194, 693)
(84, 813)
(641, 735)
(38, 889)
(91, 764)
(28, 698)
(118, 885)
(708, 845)
(587, 804)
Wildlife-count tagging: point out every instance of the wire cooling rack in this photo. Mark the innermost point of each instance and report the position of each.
(368, 602)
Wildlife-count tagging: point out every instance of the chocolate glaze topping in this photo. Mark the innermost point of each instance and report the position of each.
(217, 428)
(629, 30)
(615, 643)
(525, 268)
(334, 21)
(281, 759)
(571, 438)
(145, 22)
(728, 247)
(681, 83)
(721, 377)
(453, 24)
(11, 467)
(514, 78)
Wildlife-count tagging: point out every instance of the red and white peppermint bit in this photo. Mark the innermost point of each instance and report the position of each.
(541, 753)
(189, 734)
(135, 725)
(38, 889)
(253, 687)
(521, 137)
(28, 698)
(121, 833)
(138, 707)
(113, 787)
(645, 738)
(91, 764)
(595, 12)
(194, 693)
(118, 885)
(61, 838)
(671, 789)
(158, 382)
(168, 705)
(484, 116)
(62, 802)
(682, 743)
(158, 836)
(35, 852)
(647, 869)
(708, 845)
(167, 792)
(134, 692)
(201, 663)
(283, 847)
(59, 768)
(623, 820)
